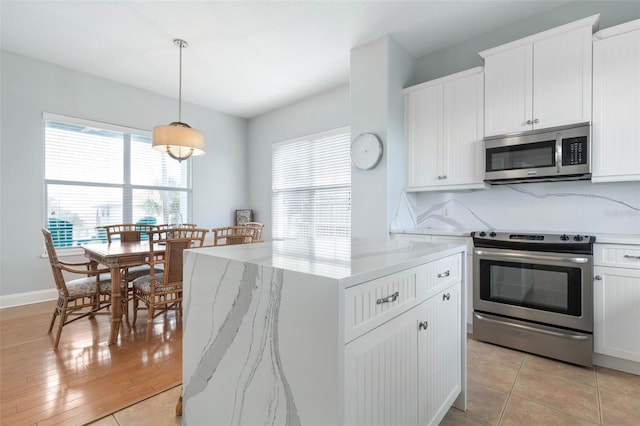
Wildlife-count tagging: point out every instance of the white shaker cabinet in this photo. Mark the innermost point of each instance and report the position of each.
(617, 305)
(443, 131)
(616, 103)
(540, 81)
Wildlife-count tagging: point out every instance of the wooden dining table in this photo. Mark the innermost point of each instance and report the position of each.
(116, 256)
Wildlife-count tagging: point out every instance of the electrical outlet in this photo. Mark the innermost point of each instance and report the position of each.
(445, 212)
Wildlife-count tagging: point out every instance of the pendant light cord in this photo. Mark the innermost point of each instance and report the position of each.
(180, 85)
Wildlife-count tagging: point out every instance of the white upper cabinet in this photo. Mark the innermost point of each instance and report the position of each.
(540, 81)
(443, 131)
(616, 103)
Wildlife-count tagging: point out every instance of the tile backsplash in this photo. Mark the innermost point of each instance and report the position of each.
(576, 207)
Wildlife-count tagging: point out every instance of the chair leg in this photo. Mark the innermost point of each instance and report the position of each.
(61, 321)
(135, 309)
(56, 312)
(150, 313)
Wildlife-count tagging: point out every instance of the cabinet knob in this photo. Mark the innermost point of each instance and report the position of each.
(444, 177)
(536, 121)
(423, 325)
(446, 296)
(529, 122)
(598, 278)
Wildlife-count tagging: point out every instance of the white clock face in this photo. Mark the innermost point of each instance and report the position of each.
(366, 151)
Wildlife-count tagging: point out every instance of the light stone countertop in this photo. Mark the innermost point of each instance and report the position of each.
(350, 261)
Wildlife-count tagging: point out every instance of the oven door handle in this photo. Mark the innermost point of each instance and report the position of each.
(534, 256)
(570, 336)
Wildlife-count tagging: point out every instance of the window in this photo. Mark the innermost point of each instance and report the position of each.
(99, 174)
(312, 186)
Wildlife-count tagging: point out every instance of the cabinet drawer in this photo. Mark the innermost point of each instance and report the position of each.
(442, 273)
(622, 256)
(374, 302)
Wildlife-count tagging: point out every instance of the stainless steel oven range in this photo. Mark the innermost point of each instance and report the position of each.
(534, 293)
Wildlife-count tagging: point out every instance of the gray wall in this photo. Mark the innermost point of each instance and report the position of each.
(464, 55)
(29, 88)
(325, 111)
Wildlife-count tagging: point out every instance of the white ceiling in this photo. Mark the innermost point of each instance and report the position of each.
(244, 57)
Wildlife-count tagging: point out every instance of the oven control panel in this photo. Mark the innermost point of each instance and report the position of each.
(566, 243)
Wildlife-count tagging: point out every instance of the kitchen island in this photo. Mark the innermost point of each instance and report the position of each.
(324, 332)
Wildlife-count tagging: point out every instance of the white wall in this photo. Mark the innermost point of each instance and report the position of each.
(325, 111)
(464, 55)
(29, 88)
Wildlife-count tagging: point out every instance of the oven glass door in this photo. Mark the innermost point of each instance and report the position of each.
(541, 287)
(549, 288)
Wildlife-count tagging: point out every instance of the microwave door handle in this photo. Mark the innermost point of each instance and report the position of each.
(558, 152)
(534, 256)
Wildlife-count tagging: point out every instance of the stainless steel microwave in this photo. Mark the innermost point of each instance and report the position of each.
(560, 153)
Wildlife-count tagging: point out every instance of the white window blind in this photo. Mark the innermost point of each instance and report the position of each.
(312, 186)
(98, 174)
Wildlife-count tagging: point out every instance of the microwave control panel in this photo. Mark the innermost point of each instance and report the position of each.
(574, 151)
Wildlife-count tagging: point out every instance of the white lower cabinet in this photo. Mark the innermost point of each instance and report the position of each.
(617, 301)
(408, 370)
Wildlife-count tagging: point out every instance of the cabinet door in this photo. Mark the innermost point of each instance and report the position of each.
(381, 374)
(423, 126)
(562, 79)
(508, 91)
(439, 351)
(617, 312)
(462, 131)
(616, 108)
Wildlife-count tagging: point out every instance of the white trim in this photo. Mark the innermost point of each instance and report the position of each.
(20, 299)
(591, 21)
(93, 124)
(617, 30)
(319, 135)
(616, 363)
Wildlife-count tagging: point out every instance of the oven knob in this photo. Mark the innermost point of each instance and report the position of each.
(492, 234)
(578, 238)
(482, 234)
(564, 237)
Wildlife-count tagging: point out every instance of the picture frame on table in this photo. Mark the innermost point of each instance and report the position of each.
(244, 216)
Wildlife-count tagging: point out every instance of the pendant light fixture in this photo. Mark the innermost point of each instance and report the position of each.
(178, 139)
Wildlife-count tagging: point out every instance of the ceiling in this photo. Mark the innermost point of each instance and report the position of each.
(244, 57)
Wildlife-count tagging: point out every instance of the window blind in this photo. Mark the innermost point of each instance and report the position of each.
(97, 174)
(311, 186)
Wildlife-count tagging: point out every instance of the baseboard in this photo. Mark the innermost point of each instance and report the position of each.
(20, 299)
(616, 363)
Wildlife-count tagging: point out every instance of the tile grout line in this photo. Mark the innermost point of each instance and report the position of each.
(600, 413)
(506, 403)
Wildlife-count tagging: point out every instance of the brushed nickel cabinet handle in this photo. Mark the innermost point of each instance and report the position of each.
(628, 256)
(598, 278)
(389, 299)
(443, 274)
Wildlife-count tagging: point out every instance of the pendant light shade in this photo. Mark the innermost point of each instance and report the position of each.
(178, 139)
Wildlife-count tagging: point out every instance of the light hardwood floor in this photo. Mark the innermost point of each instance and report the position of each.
(85, 379)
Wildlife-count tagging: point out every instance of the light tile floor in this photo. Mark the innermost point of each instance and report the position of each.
(506, 387)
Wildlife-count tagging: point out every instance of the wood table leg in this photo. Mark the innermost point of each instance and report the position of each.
(116, 304)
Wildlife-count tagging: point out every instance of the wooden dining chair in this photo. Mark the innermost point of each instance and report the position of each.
(161, 292)
(176, 225)
(228, 235)
(81, 297)
(257, 237)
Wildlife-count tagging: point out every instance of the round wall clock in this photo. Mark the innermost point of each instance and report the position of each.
(366, 151)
